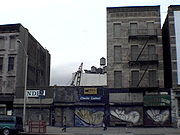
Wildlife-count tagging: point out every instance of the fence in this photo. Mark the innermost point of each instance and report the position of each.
(37, 126)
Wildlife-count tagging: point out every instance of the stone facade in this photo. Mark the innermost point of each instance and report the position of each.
(135, 28)
(15, 43)
(135, 68)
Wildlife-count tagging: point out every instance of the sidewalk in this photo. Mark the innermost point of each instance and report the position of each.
(112, 131)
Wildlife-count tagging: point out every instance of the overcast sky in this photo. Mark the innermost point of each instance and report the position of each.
(73, 31)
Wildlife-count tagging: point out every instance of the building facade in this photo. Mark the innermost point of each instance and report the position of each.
(87, 106)
(171, 49)
(135, 70)
(134, 47)
(15, 43)
(82, 106)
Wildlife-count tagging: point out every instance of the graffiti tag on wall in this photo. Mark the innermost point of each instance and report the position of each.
(132, 116)
(159, 116)
(89, 116)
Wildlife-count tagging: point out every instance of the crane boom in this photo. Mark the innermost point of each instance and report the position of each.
(78, 75)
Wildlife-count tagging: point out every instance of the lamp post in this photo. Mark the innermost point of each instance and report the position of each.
(25, 83)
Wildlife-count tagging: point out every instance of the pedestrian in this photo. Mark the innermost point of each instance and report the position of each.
(104, 122)
(64, 124)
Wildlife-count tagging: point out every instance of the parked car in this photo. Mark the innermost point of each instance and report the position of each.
(10, 124)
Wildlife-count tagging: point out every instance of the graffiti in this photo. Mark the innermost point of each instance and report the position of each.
(158, 116)
(132, 117)
(88, 117)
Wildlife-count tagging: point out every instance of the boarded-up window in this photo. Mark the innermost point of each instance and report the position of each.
(117, 54)
(174, 77)
(134, 52)
(12, 43)
(150, 26)
(178, 100)
(151, 52)
(117, 79)
(134, 78)
(11, 63)
(152, 78)
(1, 84)
(1, 64)
(1, 43)
(133, 28)
(174, 65)
(173, 53)
(117, 30)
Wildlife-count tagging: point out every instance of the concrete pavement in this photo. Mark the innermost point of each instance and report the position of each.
(111, 131)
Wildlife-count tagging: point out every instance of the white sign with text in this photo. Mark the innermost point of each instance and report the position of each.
(35, 93)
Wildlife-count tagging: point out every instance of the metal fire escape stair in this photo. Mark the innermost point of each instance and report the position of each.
(142, 49)
(138, 59)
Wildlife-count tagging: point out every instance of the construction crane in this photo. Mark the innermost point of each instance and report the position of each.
(78, 75)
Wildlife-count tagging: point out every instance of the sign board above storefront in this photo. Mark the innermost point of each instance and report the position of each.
(92, 98)
(90, 91)
(126, 97)
(35, 93)
(157, 100)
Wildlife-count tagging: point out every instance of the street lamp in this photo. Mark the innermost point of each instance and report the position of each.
(25, 83)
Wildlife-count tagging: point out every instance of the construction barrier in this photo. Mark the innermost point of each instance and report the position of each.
(37, 126)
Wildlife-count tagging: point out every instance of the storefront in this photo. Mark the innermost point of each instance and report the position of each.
(90, 110)
(157, 110)
(126, 109)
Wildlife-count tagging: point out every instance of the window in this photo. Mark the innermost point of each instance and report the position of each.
(174, 65)
(12, 43)
(117, 79)
(11, 63)
(174, 77)
(117, 30)
(134, 78)
(173, 53)
(133, 28)
(1, 64)
(150, 27)
(117, 54)
(152, 78)
(1, 43)
(134, 52)
(1, 84)
(151, 52)
(178, 100)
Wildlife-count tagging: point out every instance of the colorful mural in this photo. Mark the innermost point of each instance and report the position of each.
(154, 117)
(89, 117)
(126, 115)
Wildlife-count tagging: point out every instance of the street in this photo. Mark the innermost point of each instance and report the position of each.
(109, 131)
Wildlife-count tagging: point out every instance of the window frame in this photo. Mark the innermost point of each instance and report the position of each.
(11, 63)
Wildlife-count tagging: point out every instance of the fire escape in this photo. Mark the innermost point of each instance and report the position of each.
(142, 58)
